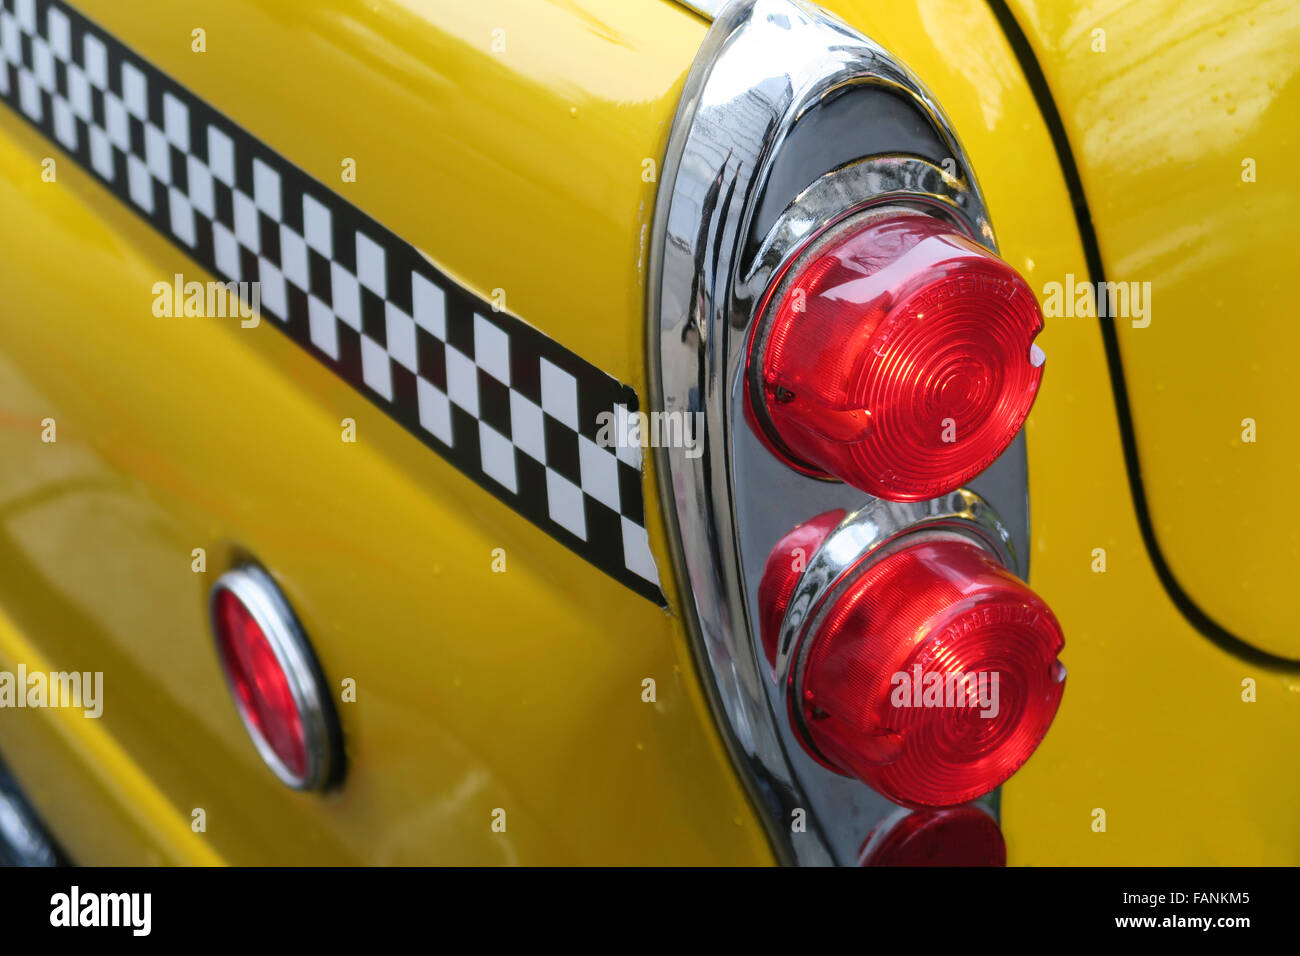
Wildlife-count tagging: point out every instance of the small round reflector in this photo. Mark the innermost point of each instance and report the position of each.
(899, 358)
(959, 836)
(274, 679)
(932, 677)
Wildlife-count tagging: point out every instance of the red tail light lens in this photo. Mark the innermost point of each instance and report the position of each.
(899, 359)
(258, 681)
(933, 677)
(961, 836)
(781, 574)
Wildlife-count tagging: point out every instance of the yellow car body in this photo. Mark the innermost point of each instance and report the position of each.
(515, 143)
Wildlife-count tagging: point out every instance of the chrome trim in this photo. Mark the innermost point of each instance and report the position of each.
(857, 188)
(255, 589)
(764, 65)
(24, 840)
(708, 9)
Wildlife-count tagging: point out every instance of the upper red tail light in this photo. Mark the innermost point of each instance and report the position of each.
(932, 677)
(899, 358)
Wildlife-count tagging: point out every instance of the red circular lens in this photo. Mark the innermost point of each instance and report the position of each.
(260, 685)
(933, 676)
(960, 836)
(899, 359)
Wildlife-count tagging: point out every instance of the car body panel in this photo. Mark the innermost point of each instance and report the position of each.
(1179, 743)
(476, 690)
(1183, 128)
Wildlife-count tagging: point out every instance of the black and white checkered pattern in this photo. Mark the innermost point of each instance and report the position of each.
(511, 408)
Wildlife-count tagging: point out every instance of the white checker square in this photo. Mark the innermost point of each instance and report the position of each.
(564, 500)
(375, 368)
(79, 93)
(627, 432)
(370, 265)
(636, 551)
(43, 64)
(462, 380)
(400, 332)
(275, 297)
(324, 327)
(101, 153)
(201, 194)
(430, 306)
(95, 55)
(346, 295)
(65, 124)
(498, 457)
(526, 426)
(492, 349)
(317, 226)
(182, 217)
(176, 121)
(134, 91)
(11, 39)
(115, 119)
(435, 411)
(221, 156)
(293, 257)
(266, 189)
(599, 470)
(29, 95)
(140, 183)
(60, 32)
(559, 394)
(247, 227)
(226, 251)
(26, 10)
(157, 153)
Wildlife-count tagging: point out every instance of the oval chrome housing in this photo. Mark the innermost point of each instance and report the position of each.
(764, 66)
(255, 589)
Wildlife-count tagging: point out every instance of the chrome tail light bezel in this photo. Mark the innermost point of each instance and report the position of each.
(764, 67)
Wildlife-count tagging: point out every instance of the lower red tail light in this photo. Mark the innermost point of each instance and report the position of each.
(932, 677)
(960, 836)
(274, 679)
(899, 358)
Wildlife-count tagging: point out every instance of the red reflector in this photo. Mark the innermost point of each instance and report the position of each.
(960, 836)
(933, 677)
(781, 574)
(899, 359)
(259, 683)
(275, 680)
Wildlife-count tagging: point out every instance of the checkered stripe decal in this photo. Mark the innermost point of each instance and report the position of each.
(509, 407)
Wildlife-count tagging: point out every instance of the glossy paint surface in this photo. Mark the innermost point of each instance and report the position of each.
(1185, 128)
(476, 690)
